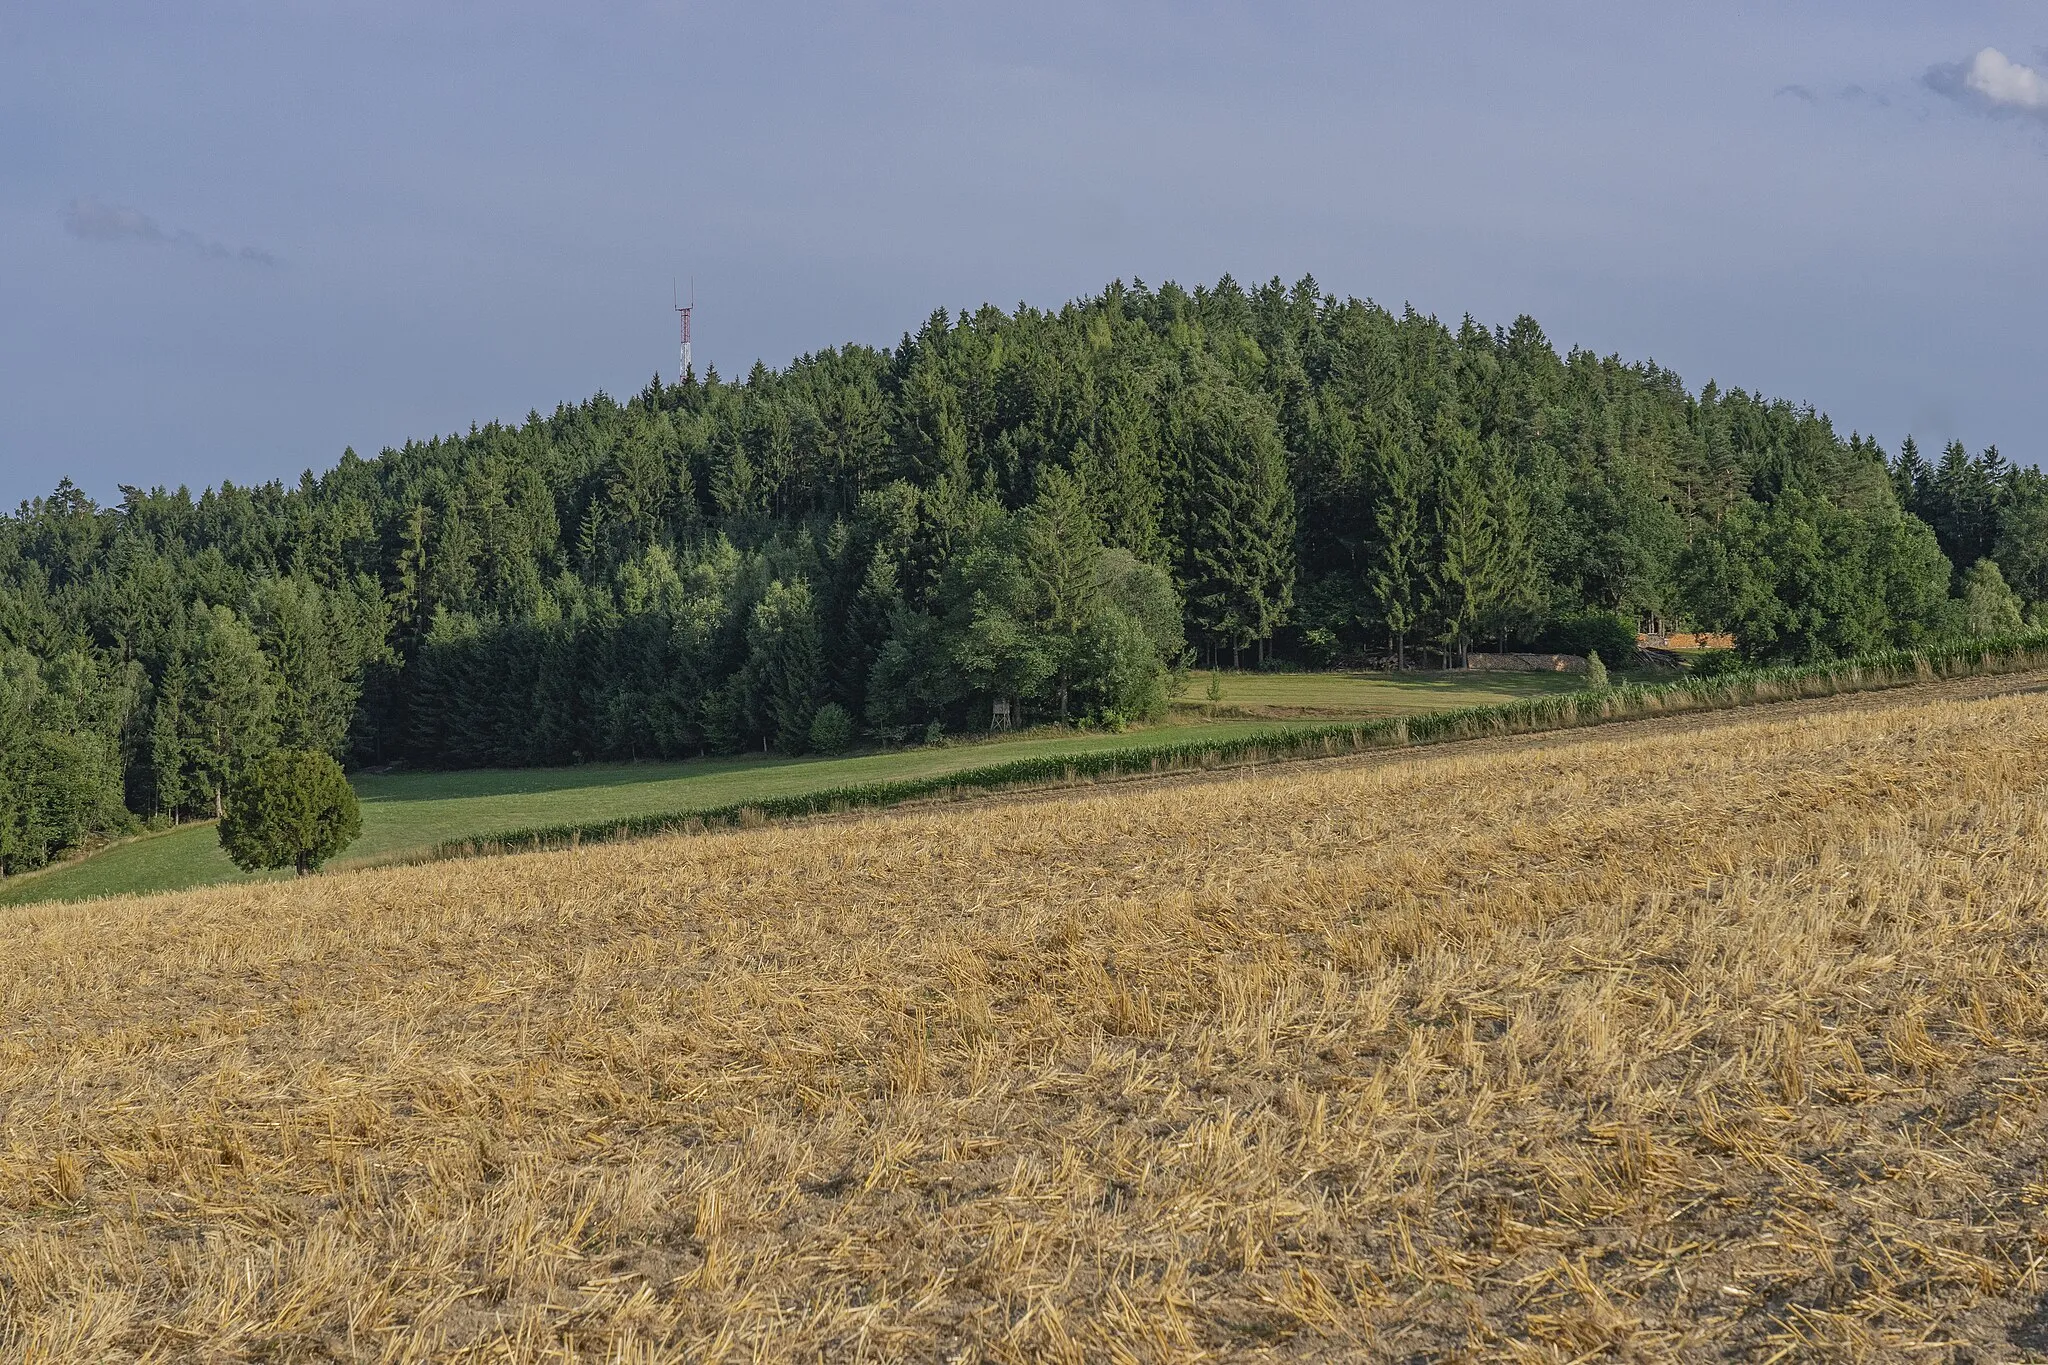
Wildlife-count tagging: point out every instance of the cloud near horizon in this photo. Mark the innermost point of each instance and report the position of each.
(93, 220)
(1993, 82)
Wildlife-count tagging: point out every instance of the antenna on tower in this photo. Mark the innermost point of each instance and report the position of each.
(683, 311)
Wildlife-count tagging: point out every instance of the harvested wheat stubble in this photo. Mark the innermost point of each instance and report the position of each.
(1652, 1045)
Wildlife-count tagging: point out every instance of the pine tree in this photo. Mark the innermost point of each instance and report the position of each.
(1237, 536)
(167, 726)
(1910, 475)
(317, 685)
(233, 716)
(1397, 571)
(411, 606)
(1467, 534)
(787, 662)
(1120, 466)
(1514, 589)
(1058, 545)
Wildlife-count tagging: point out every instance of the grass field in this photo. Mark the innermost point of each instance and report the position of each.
(1365, 694)
(1703, 1038)
(407, 812)
(410, 811)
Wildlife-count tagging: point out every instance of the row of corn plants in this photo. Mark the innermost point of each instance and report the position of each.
(1624, 701)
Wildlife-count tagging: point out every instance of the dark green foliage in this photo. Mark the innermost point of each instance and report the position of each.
(60, 769)
(290, 808)
(2021, 551)
(786, 664)
(1607, 633)
(1237, 526)
(1717, 663)
(831, 729)
(1802, 578)
(1619, 701)
(1988, 605)
(1044, 508)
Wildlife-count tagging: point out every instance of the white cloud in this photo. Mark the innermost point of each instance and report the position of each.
(93, 220)
(2005, 82)
(1993, 81)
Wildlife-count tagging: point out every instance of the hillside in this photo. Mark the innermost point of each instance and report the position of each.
(1697, 1039)
(1045, 511)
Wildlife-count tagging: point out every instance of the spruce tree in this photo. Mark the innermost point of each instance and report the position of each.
(1514, 590)
(232, 720)
(1398, 564)
(167, 734)
(1237, 533)
(1910, 475)
(1467, 533)
(1119, 462)
(787, 662)
(1058, 545)
(317, 687)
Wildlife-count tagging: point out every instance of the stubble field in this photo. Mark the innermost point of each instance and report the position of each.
(1723, 1038)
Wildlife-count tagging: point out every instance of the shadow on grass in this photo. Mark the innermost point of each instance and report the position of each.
(460, 784)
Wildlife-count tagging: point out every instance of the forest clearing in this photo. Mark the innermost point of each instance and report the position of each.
(1699, 1038)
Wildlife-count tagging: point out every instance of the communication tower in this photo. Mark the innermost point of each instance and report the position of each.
(683, 312)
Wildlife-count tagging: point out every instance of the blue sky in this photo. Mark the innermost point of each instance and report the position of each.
(235, 238)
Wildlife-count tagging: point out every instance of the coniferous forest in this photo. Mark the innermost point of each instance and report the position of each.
(1054, 509)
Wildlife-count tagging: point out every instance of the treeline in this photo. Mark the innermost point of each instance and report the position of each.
(1039, 512)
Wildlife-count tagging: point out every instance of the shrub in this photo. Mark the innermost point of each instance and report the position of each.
(1715, 663)
(831, 729)
(291, 808)
(1596, 672)
(1988, 605)
(57, 791)
(1605, 633)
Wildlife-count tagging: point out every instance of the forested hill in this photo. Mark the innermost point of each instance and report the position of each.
(1048, 507)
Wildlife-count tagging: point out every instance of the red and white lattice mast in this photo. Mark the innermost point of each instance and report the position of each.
(683, 312)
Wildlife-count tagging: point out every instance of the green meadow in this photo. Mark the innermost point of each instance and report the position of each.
(405, 813)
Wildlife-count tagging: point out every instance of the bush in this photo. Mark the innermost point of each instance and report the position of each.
(1606, 633)
(57, 793)
(831, 729)
(1886, 668)
(1988, 605)
(1596, 672)
(1715, 663)
(291, 808)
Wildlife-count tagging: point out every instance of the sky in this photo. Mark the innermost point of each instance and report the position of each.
(237, 237)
